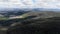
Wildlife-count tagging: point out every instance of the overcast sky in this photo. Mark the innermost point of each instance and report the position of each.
(29, 3)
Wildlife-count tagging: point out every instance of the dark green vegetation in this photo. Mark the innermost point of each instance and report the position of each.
(39, 26)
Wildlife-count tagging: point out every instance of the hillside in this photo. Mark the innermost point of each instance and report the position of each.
(43, 14)
(27, 16)
(29, 19)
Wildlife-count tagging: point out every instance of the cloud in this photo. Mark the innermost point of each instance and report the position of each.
(29, 3)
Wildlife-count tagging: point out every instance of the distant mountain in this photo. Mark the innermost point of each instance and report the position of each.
(46, 9)
(13, 13)
(16, 11)
(28, 9)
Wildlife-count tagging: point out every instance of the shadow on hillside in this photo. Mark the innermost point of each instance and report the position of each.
(39, 26)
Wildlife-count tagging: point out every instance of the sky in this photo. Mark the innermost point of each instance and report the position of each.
(30, 4)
